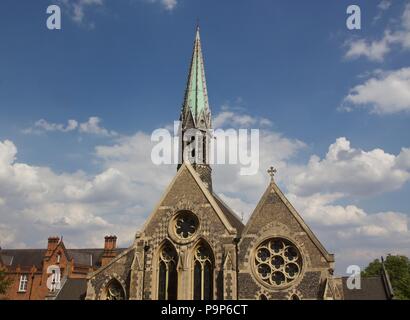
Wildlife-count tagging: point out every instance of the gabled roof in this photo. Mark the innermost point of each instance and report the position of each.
(273, 187)
(226, 215)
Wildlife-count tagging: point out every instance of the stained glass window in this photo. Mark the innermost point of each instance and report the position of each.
(203, 273)
(167, 275)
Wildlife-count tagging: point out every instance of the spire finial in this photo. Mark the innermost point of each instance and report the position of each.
(197, 29)
(272, 172)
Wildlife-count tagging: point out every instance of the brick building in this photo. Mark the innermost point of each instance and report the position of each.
(64, 269)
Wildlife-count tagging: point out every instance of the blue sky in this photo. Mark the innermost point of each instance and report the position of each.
(126, 62)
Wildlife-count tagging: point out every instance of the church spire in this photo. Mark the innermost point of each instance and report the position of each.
(196, 106)
(196, 118)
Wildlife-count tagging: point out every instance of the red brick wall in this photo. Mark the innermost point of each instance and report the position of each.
(37, 279)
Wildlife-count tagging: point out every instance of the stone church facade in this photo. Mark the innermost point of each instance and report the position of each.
(193, 246)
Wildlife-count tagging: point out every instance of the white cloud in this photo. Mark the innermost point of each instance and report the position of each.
(384, 93)
(236, 118)
(43, 124)
(274, 150)
(376, 50)
(37, 202)
(356, 236)
(169, 4)
(8, 152)
(91, 126)
(131, 155)
(7, 236)
(320, 209)
(406, 17)
(384, 4)
(351, 172)
(382, 7)
(403, 159)
(242, 209)
(76, 9)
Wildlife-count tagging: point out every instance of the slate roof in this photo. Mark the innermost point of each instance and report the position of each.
(23, 257)
(229, 214)
(29, 257)
(372, 288)
(86, 257)
(73, 289)
(6, 260)
(89, 257)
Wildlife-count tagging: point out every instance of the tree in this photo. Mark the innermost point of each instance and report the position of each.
(398, 268)
(4, 281)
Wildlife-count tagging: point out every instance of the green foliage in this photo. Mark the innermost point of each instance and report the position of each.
(398, 268)
(4, 281)
(373, 269)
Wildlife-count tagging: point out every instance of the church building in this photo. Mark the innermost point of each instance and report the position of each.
(193, 246)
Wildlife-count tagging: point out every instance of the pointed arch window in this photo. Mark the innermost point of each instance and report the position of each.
(263, 297)
(167, 273)
(294, 297)
(203, 273)
(115, 291)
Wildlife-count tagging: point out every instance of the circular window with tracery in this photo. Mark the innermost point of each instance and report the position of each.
(277, 262)
(185, 224)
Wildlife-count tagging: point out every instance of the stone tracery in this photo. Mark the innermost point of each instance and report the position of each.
(277, 262)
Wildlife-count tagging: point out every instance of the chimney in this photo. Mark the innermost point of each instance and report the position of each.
(52, 244)
(110, 244)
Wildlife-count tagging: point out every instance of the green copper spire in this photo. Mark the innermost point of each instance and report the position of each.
(196, 95)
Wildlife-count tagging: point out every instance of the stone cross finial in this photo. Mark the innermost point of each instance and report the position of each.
(272, 172)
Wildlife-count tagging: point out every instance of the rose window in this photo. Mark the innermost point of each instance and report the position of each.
(277, 262)
(186, 224)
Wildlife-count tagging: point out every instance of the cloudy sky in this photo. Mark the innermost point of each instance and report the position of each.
(78, 106)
